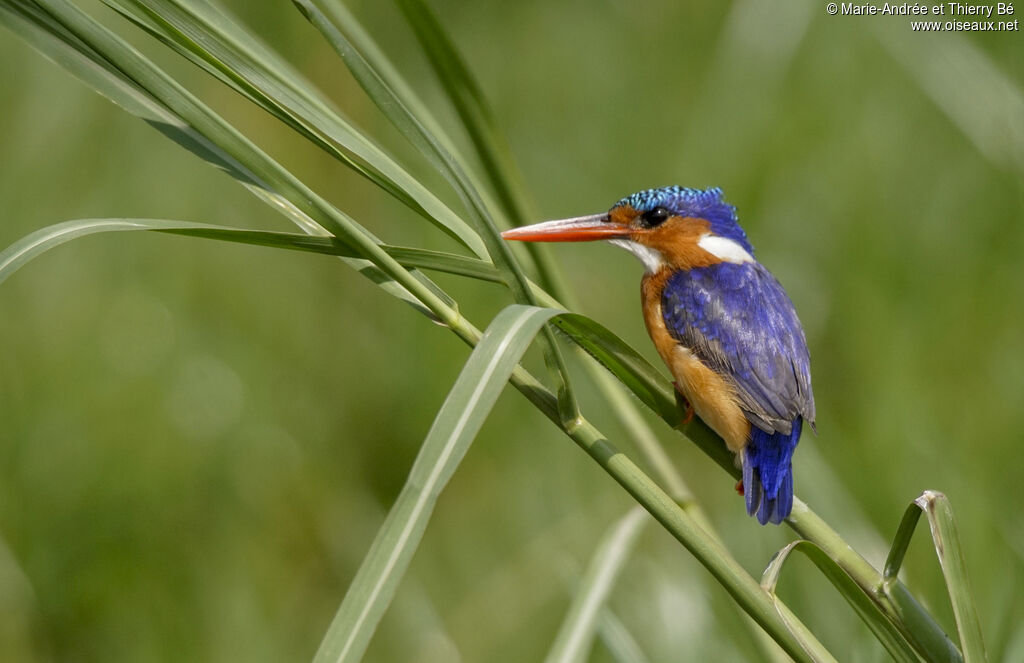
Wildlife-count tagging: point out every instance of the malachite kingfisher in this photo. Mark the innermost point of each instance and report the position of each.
(721, 322)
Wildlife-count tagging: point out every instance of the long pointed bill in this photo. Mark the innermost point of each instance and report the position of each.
(579, 229)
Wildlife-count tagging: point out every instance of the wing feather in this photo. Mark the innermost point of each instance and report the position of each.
(739, 321)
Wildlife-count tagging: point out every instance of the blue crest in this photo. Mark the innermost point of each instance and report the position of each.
(697, 203)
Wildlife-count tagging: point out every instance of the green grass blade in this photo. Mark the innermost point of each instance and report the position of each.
(866, 609)
(59, 44)
(499, 167)
(16, 255)
(936, 507)
(262, 175)
(216, 42)
(29, 247)
(408, 257)
(388, 89)
(457, 423)
(635, 372)
(617, 639)
(576, 635)
(645, 381)
(914, 622)
(380, 81)
(471, 106)
(493, 151)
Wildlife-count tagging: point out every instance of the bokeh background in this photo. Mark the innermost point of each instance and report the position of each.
(198, 440)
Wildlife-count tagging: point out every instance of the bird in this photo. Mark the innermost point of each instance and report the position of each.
(722, 323)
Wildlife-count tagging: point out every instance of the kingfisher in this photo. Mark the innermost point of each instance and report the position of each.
(721, 322)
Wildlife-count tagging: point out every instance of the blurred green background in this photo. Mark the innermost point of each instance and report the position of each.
(199, 440)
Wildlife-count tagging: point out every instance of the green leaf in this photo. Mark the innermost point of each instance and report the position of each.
(29, 247)
(939, 512)
(576, 635)
(380, 80)
(914, 622)
(504, 178)
(471, 106)
(52, 39)
(617, 639)
(112, 66)
(645, 381)
(866, 609)
(460, 418)
(212, 39)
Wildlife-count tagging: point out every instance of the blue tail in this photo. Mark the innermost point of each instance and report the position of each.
(768, 473)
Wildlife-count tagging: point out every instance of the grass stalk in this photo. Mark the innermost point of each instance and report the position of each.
(897, 603)
(575, 637)
(946, 540)
(380, 81)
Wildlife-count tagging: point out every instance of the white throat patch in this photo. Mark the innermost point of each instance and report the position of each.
(724, 248)
(651, 258)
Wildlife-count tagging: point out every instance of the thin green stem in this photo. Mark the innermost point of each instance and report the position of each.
(708, 550)
(489, 141)
(379, 79)
(897, 603)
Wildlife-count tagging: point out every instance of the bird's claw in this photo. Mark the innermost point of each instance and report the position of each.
(684, 405)
(739, 487)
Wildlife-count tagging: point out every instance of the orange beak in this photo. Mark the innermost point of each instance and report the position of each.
(579, 229)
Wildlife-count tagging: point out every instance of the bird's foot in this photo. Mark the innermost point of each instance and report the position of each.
(684, 405)
(739, 487)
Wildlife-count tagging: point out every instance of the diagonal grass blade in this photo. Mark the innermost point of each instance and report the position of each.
(946, 539)
(493, 151)
(617, 639)
(457, 423)
(576, 635)
(876, 621)
(113, 67)
(213, 40)
(471, 106)
(380, 81)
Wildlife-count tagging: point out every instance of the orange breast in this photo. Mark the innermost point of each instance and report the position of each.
(712, 396)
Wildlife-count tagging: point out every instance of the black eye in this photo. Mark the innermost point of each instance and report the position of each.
(655, 217)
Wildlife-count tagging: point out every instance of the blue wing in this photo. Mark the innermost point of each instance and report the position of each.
(738, 320)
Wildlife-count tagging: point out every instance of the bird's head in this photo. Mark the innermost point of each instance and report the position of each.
(672, 227)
